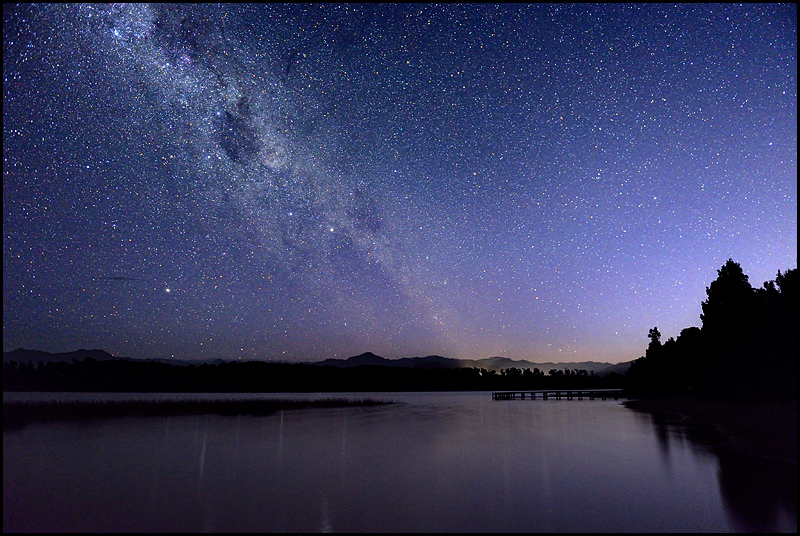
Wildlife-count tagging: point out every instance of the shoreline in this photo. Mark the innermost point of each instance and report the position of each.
(20, 413)
(766, 430)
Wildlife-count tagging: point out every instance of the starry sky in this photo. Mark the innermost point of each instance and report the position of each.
(298, 182)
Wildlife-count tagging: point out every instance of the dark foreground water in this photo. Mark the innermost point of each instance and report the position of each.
(436, 462)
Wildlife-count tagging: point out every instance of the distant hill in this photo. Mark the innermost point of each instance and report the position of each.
(21, 355)
(619, 368)
(489, 363)
(368, 358)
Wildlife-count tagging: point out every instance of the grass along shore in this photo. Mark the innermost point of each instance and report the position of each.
(17, 414)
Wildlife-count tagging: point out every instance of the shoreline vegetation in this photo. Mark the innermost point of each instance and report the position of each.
(736, 375)
(17, 414)
(763, 429)
(746, 348)
(145, 376)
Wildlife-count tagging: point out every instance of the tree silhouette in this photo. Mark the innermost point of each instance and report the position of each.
(655, 340)
(730, 327)
(729, 303)
(747, 346)
(777, 303)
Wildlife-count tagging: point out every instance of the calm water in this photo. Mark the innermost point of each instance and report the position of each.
(436, 462)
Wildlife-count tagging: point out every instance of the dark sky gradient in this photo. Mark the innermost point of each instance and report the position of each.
(309, 181)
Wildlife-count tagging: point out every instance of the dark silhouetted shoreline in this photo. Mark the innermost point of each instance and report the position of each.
(129, 376)
(746, 349)
(17, 414)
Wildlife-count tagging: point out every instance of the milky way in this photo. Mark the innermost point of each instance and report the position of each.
(308, 181)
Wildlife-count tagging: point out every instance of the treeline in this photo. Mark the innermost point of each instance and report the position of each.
(90, 375)
(745, 349)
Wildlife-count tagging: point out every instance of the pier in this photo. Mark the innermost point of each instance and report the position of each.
(558, 394)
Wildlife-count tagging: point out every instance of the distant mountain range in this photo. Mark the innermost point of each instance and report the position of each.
(22, 355)
(489, 363)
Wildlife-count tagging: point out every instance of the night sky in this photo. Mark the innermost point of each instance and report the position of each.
(299, 182)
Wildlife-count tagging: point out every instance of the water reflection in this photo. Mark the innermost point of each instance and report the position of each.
(759, 495)
(439, 462)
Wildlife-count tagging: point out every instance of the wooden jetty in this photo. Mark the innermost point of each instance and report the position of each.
(558, 394)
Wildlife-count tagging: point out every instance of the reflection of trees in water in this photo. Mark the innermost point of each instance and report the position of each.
(757, 492)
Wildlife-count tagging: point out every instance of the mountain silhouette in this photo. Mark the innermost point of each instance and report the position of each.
(489, 363)
(498, 363)
(22, 355)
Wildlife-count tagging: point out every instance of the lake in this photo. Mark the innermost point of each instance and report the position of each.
(435, 462)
